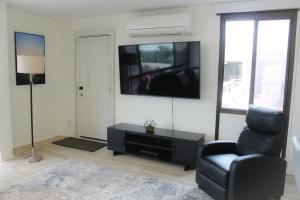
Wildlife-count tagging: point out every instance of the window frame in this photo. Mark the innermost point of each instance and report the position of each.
(290, 14)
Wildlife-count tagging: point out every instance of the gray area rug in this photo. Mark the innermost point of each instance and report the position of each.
(76, 180)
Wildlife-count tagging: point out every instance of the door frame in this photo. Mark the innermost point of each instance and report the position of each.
(95, 32)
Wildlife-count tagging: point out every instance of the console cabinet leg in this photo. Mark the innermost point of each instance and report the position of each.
(115, 153)
(189, 167)
(186, 168)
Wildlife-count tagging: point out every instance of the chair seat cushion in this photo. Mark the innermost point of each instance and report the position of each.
(216, 167)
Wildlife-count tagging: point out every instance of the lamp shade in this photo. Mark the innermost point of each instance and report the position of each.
(30, 64)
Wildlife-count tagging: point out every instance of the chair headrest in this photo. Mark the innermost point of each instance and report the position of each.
(265, 120)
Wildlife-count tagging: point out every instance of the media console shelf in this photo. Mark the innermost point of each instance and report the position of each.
(175, 146)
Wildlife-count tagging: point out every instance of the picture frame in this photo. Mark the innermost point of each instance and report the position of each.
(31, 45)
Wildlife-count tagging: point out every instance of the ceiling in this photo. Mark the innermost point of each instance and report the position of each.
(74, 9)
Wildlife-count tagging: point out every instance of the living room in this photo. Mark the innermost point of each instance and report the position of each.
(57, 113)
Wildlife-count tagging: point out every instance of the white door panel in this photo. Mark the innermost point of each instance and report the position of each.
(95, 75)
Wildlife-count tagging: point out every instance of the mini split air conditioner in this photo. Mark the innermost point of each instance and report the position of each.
(171, 24)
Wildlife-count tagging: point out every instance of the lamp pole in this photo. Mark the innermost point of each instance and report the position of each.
(31, 111)
(34, 157)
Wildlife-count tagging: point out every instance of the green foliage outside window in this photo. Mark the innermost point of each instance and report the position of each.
(232, 70)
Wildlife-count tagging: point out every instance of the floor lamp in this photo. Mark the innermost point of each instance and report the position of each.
(31, 65)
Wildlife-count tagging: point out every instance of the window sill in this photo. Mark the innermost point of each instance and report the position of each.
(233, 111)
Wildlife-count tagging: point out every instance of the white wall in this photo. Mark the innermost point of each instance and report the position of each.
(5, 114)
(294, 126)
(231, 126)
(190, 115)
(55, 102)
(48, 110)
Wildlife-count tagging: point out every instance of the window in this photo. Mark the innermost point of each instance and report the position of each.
(271, 63)
(237, 64)
(256, 60)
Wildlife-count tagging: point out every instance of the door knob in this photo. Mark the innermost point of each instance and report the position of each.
(80, 87)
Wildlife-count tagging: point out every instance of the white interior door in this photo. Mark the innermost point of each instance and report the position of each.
(94, 86)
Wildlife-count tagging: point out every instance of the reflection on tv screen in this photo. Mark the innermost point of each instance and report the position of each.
(169, 69)
(156, 56)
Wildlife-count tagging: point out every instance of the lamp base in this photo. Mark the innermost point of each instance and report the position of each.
(33, 157)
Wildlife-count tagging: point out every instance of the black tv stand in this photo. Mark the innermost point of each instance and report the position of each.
(175, 146)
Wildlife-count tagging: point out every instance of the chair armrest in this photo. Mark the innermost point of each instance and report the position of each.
(256, 177)
(217, 147)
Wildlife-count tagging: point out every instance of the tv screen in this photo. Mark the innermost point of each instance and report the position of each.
(167, 69)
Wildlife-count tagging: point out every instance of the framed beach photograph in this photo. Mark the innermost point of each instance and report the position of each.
(27, 44)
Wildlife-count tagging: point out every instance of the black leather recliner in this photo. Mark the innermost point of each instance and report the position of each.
(250, 169)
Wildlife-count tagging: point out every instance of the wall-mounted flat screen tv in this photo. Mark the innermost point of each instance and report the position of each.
(166, 69)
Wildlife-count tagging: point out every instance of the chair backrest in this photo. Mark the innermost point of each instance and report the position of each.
(264, 133)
